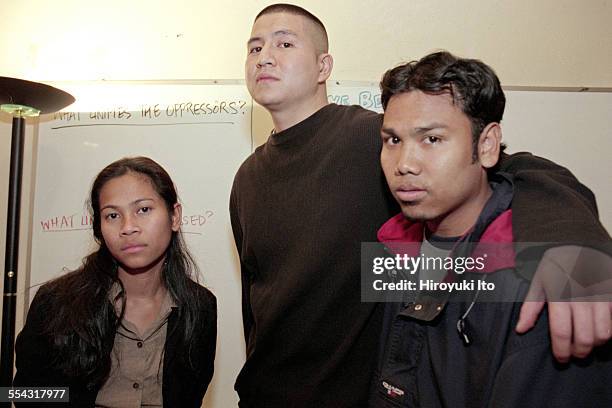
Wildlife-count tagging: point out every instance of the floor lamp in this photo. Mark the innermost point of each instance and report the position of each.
(20, 99)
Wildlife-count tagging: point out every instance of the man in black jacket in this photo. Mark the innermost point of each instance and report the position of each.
(449, 341)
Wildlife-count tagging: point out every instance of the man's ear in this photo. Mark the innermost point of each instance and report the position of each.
(326, 64)
(176, 217)
(489, 145)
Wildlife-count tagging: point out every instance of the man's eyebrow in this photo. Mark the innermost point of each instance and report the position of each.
(285, 32)
(275, 34)
(253, 39)
(427, 128)
(388, 131)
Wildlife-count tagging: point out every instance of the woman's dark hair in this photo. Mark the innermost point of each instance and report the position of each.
(82, 321)
(472, 84)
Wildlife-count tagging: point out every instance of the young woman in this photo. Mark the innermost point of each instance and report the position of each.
(129, 327)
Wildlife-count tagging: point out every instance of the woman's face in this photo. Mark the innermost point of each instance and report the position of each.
(135, 222)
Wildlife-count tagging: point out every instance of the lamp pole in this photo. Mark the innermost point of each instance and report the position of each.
(20, 99)
(11, 256)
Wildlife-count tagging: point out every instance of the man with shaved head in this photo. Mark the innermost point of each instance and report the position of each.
(289, 84)
(301, 205)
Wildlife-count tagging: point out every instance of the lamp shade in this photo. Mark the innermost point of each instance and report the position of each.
(41, 97)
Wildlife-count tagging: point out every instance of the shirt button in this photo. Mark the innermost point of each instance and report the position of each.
(139, 344)
(418, 307)
(136, 386)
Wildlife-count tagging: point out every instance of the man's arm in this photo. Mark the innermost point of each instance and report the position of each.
(551, 206)
(245, 274)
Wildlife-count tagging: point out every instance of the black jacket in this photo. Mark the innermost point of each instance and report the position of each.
(182, 387)
(425, 360)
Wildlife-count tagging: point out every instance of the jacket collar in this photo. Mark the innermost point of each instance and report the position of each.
(493, 226)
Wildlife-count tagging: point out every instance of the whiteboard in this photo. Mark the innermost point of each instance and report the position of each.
(200, 134)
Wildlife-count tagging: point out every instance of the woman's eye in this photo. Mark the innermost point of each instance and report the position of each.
(432, 140)
(144, 210)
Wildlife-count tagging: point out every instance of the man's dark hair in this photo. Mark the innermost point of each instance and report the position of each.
(299, 11)
(472, 84)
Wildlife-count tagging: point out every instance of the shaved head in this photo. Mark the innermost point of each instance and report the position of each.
(316, 28)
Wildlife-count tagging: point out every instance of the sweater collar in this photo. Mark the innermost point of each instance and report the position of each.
(298, 132)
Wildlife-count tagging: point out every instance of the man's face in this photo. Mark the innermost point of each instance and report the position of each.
(427, 160)
(282, 65)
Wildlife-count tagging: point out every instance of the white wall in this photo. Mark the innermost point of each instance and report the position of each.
(540, 43)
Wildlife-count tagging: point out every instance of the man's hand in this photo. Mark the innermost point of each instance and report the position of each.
(575, 327)
(583, 319)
